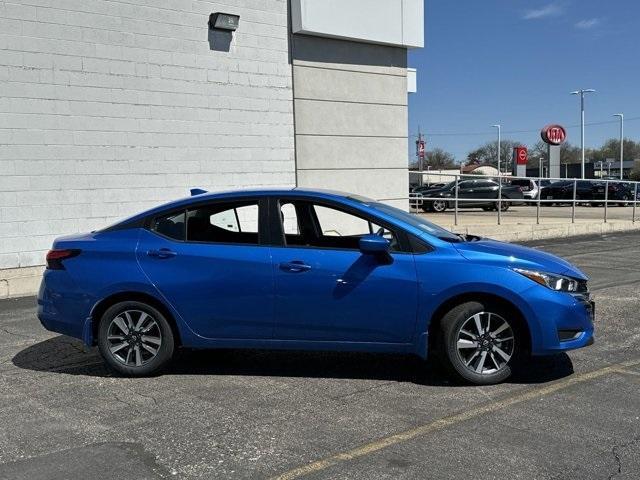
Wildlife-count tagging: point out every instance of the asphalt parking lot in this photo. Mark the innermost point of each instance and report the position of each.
(261, 414)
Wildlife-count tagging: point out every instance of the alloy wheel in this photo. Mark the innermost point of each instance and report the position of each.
(485, 343)
(439, 205)
(134, 337)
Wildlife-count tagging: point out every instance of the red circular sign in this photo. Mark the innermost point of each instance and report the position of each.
(522, 155)
(553, 134)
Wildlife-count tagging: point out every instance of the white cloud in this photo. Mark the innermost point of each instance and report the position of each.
(587, 23)
(550, 10)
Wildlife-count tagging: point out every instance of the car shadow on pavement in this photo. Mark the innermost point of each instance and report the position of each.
(66, 355)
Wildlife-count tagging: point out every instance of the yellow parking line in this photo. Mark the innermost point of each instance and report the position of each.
(445, 422)
(628, 372)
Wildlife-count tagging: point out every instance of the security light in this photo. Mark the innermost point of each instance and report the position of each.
(224, 21)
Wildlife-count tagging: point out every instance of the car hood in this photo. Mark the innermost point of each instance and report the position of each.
(485, 250)
(430, 191)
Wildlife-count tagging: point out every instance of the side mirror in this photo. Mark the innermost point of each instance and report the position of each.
(373, 244)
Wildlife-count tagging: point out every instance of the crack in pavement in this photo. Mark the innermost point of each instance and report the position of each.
(615, 449)
(15, 334)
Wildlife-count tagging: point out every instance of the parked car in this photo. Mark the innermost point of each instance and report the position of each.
(528, 186)
(623, 191)
(563, 190)
(480, 193)
(309, 270)
(589, 190)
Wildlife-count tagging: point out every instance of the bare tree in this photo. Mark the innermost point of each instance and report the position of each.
(437, 159)
(488, 153)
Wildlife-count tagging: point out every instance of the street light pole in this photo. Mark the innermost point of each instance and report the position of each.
(581, 92)
(621, 116)
(498, 127)
(541, 167)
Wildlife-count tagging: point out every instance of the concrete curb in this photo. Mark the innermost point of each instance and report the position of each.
(527, 232)
(22, 282)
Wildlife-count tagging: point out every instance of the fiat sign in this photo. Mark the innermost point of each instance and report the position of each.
(553, 134)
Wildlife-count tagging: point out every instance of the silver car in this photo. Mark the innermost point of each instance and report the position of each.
(529, 187)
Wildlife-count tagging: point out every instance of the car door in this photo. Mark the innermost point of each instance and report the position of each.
(486, 191)
(211, 263)
(466, 193)
(327, 290)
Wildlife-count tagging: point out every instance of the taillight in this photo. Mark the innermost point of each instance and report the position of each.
(55, 257)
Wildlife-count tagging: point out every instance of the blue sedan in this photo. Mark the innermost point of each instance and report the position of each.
(309, 269)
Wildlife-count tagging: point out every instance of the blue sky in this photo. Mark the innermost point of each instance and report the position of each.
(514, 62)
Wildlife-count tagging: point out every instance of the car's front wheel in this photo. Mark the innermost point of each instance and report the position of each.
(439, 206)
(480, 342)
(503, 205)
(135, 339)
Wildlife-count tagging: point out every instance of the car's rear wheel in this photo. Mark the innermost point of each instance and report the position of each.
(480, 342)
(135, 339)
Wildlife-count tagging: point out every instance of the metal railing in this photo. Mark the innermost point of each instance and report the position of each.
(418, 200)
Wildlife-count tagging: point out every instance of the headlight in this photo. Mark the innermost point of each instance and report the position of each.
(552, 281)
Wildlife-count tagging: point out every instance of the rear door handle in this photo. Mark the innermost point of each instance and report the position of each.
(162, 253)
(295, 266)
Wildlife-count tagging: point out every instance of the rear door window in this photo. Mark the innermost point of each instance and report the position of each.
(227, 222)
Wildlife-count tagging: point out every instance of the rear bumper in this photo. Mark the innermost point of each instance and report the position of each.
(63, 309)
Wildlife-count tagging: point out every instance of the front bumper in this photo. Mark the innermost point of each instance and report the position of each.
(565, 321)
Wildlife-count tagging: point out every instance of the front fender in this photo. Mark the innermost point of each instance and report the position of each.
(479, 280)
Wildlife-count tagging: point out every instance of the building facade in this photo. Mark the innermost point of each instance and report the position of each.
(111, 107)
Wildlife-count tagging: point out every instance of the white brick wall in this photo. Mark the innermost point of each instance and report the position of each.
(110, 107)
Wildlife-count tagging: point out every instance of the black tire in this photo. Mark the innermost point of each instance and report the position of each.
(438, 206)
(504, 203)
(162, 330)
(488, 209)
(450, 331)
(625, 201)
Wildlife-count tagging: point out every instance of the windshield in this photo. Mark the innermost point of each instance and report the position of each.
(417, 221)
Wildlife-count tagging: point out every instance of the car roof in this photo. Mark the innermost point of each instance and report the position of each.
(196, 198)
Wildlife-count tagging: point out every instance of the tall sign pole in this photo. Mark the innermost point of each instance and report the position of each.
(621, 116)
(554, 136)
(520, 157)
(499, 141)
(581, 92)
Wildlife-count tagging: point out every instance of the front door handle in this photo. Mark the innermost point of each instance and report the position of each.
(295, 266)
(162, 253)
